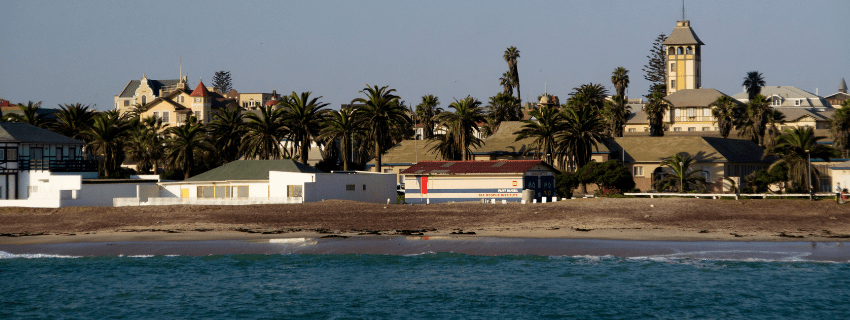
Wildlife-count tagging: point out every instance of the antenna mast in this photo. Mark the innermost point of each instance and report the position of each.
(683, 10)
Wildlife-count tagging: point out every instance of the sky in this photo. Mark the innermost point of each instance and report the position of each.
(65, 52)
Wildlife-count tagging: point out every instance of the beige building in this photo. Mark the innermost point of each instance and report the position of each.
(683, 58)
(175, 107)
(690, 110)
(801, 108)
(145, 91)
(253, 101)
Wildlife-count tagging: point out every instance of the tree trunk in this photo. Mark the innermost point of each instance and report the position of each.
(304, 145)
(345, 150)
(378, 155)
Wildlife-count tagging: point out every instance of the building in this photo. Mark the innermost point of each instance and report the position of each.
(690, 110)
(684, 58)
(444, 181)
(180, 103)
(146, 90)
(717, 158)
(253, 101)
(244, 182)
(801, 108)
(838, 98)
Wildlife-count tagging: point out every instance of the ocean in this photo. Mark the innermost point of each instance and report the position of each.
(410, 277)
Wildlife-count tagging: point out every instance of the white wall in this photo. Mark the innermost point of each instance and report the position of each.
(379, 187)
(102, 194)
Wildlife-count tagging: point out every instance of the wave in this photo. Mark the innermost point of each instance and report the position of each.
(6, 255)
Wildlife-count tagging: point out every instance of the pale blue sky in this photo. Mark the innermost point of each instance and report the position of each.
(87, 51)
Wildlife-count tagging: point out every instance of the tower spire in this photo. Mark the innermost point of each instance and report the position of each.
(683, 10)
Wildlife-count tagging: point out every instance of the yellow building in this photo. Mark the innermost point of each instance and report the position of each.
(145, 91)
(683, 58)
(174, 108)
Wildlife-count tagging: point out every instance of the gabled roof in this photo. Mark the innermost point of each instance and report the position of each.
(793, 114)
(683, 34)
(693, 97)
(703, 148)
(474, 167)
(25, 133)
(788, 94)
(130, 89)
(252, 170)
(200, 91)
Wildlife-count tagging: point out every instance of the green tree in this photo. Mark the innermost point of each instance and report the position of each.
(773, 121)
(425, 111)
(511, 55)
(304, 117)
(144, 144)
(725, 112)
(655, 109)
(73, 120)
(615, 112)
(264, 134)
(753, 119)
(620, 80)
(753, 83)
(656, 70)
(106, 138)
(684, 178)
(341, 126)
(581, 133)
(463, 123)
(507, 83)
(501, 107)
(222, 82)
(30, 115)
(383, 114)
(592, 95)
(184, 141)
(609, 176)
(547, 122)
(137, 111)
(226, 133)
(792, 147)
(840, 129)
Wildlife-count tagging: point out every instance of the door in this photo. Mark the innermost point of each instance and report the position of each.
(184, 193)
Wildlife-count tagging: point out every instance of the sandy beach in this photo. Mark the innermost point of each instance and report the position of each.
(674, 219)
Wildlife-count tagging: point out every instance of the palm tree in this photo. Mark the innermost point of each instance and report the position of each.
(144, 143)
(620, 80)
(105, 137)
(543, 128)
(507, 83)
(753, 119)
(724, 112)
(303, 116)
(616, 112)
(501, 107)
(683, 178)
(592, 94)
(30, 115)
(183, 142)
(773, 120)
(753, 83)
(73, 120)
(227, 131)
(792, 147)
(511, 55)
(582, 130)
(382, 114)
(655, 109)
(264, 134)
(341, 125)
(425, 111)
(463, 123)
(840, 129)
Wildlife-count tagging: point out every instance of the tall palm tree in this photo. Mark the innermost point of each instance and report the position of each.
(840, 129)
(183, 142)
(30, 115)
(753, 83)
(592, 94)
(73, 120)
(724, 113)
(303, 116)
(381, 113)
(791, 149)
(106, 138)
(341, 125)
(620, 80)
(227, 131)
(144, 143)
(425, 111)
(264, 134)
(581, 133)
(463, 123)
(511, 55)
(616, 112)
(753, 119)
(507, 83)
(684, 178)
(655, 109)
(543, 128)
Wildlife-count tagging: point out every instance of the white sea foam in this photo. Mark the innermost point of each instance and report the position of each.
(729, 255)
(289, 240)
(6, 255)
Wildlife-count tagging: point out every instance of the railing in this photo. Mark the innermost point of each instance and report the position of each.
(693, 119)
(58, 165)
(730, 195)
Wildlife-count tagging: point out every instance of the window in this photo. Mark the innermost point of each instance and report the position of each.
(689, 50)
(677, 129)
(776, 101)
(692, 112)
(706, 112)
(126, 103)
(197, 99)
(2, 154)
(364, 187)
(707, 175)
(797, 102)
(11, 154)
(388, 170)
(638, 171)
(144, 99)
(198, 115)
(692, 129)
(671, 51)
(241, 191)
(673, 84)
(632, 130)
(706, 129)
(181, 99)
(349, 187)
(294, 191)
(165, 116)
(672, 67)
(156, 114)
(72, 152)
(58, 154)
(679, 50)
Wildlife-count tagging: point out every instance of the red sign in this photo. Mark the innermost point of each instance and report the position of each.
(424, 184)
(514, 183)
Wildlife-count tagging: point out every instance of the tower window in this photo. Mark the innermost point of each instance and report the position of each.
(688, 50)
(144, 99)
(671, 51)
(673, 84)
(679, 50)
(672, 67)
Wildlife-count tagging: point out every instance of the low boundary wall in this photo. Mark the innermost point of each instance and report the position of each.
(729, 195)
(154, 201)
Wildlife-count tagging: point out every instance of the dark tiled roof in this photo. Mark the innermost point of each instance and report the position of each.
(683, 35)
(130, 89)
(474, 167)
(25, 133)
(252, 170)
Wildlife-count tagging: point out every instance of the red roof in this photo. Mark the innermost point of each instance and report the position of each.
(200, 91)
(271, 102)
(474, 167)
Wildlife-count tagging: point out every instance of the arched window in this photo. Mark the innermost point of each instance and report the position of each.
(671, 51)
(689, 50)
(679, 50)
(144, 99)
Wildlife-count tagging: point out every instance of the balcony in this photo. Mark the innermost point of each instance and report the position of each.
(78, 165)
(693, 119)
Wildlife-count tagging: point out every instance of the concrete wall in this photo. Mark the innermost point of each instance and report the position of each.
(325, 186)
(102, 194)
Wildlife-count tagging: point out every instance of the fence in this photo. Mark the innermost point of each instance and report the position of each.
(129, 202)
(730, 195)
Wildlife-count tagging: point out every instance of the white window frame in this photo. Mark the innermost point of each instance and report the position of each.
(637, 171)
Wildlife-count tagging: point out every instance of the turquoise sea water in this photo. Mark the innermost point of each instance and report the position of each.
(427, 285)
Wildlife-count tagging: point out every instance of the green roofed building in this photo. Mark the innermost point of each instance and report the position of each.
(252, 170)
